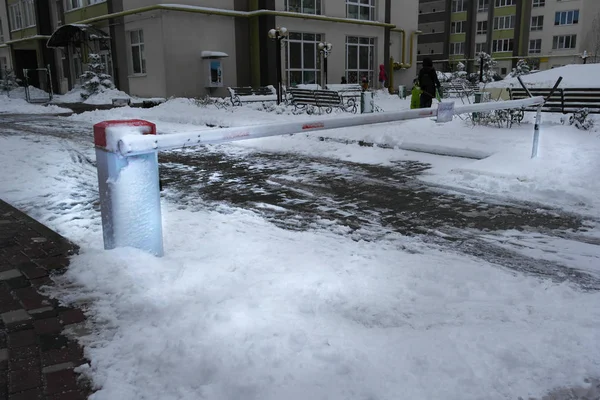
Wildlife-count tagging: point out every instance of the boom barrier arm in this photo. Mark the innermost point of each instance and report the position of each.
(135, 144)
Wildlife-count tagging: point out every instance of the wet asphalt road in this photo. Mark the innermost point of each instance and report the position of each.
(368, 201)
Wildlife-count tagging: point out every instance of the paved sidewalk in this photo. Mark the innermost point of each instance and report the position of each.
(36, 360)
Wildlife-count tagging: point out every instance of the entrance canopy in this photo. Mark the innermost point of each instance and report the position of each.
(75, 34)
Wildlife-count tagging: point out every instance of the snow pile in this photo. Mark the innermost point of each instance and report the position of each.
(222, 316)
(9, 105)
(574, 76)
(104, 96)
(34, 93)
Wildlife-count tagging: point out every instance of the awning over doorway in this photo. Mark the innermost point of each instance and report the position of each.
(75, 33)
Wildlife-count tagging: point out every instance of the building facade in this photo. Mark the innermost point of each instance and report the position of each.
(199, 47)
(548, 33)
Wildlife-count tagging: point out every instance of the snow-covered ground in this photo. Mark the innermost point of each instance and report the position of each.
(18, 105)
(239, 308)
(574, 76)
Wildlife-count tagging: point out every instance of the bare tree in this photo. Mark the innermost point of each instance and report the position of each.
(594, 38)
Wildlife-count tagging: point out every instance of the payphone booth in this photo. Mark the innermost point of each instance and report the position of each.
(213, 68)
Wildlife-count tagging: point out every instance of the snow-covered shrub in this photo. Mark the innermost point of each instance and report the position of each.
(488, 67)
(522, 68)
(96, 80)
(9, 81)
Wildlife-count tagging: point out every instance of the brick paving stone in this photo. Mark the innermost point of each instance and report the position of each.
(18, 258)
(21, 338)
(27, 363)
(52, 342)
(32, 271)
(70, 395)
(17, 283)
(12, 317)
(60, 381)
(23, 379)
(47, 326)
(10, 274)
(71, 316)
(72, 353)
(21, 353)
(30, 298)
(57, 367)
(32, 394)
(39, 282)
(43, 313)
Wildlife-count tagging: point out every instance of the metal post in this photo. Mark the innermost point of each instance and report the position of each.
(278, 60)
(481, 70)
(129, 188)
(536, 132)
(325, 68)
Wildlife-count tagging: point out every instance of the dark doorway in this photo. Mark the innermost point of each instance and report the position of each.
(26, 59)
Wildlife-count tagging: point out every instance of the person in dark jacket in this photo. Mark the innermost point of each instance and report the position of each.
(429, 83)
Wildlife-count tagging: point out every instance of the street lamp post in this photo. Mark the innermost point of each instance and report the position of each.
(325, 49)
(278, 34)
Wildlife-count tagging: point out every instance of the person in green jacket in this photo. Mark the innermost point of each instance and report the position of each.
(415, 98)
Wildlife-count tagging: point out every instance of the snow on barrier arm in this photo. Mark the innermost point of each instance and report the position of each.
(130, 145)
(127, 159)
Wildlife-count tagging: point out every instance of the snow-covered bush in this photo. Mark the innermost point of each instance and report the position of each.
(522, 68)
(96, 80)
(9, 81)
(489, 75)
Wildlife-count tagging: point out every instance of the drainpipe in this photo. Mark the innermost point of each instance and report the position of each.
(387, 39)
(403, 41)
(413, 38)
(254, 47)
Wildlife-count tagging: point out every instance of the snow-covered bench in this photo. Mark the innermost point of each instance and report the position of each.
(345, 87)
(247, 94)
(567, 100)
(322, 99)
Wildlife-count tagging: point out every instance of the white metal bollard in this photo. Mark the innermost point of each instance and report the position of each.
(536, 132)
(129, 188)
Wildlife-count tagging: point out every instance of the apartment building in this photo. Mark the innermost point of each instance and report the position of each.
(561, 31)
(547, 32)
(198, 47)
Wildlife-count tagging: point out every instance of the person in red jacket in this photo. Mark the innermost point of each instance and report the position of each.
(382, 76)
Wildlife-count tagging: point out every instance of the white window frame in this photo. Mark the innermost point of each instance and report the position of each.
(458, 6)
(304, 39)
(571, 39)
(74, 4)
(538, 3)
(92, 2)
(360, 6)
(505, 3)
(457, 48)
(503, 45)
(455, 25)
(355, 41)
(1, 32)
(16, 17)
(142, 56)
(535, 46)
(537, 26)
(566, 14)
(304, 7)
(480, 48)
(28, 12)
(483, 29)
(483, 5)
(504, 23)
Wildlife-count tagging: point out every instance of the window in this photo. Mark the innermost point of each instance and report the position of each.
(535, 46)
(505, 3)
(304, 6)
(74, 4)
(480, 48)
(539, 3)
(303, 59)
(16, 18)
(537, 23)
(1, 32)
(95, 1)
(566, 17)
(502, 45)
(458, 6)
(507, 22)
(137, 52)
(28, 13)
(360, 59)
(457, 48)
(361, 9)
(3, 66)
(483, 5)
(564, 42)
(482, 27)
(458, 27)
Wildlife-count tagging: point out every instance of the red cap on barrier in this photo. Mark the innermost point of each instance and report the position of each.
(100, 129)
